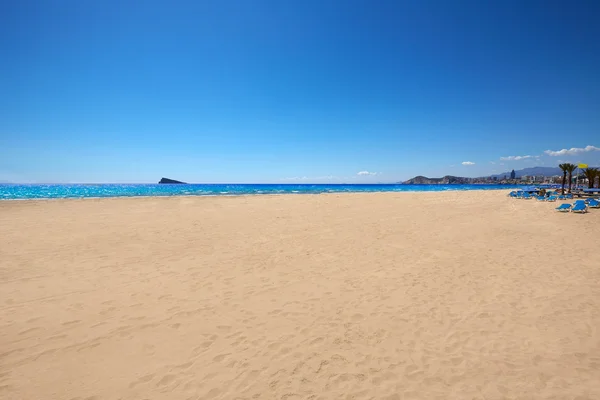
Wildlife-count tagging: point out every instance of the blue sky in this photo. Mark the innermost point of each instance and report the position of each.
(287, 91)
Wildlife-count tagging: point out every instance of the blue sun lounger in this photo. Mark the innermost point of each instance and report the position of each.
(552, 198)
(593, 203)
(579, 208)
(566, 207)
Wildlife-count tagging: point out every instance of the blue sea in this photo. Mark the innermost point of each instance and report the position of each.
(24, 192)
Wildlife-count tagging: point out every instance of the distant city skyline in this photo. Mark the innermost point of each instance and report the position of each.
(295, 92)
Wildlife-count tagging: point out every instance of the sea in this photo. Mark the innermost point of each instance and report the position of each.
(78, 191)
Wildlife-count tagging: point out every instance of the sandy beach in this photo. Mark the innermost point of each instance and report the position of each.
(452, 295)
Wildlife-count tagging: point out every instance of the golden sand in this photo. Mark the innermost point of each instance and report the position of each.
(455, 295)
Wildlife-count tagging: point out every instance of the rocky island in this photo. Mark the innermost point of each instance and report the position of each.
(170, 181)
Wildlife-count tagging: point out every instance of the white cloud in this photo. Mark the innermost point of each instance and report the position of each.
(366, 173)
(491, 162)
(515, 158)
(468, 163)
(572, 151)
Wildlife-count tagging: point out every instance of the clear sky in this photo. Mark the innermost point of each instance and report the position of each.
(294, 91)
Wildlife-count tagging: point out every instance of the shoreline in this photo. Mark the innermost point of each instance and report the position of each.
(45, 199)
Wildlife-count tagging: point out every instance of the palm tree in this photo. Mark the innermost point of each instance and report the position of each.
(563, 167)
(591, 174)
(570, 168)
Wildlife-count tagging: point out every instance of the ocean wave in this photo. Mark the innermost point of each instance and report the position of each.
(30, 191)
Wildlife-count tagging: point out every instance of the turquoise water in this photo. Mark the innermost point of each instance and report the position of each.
(23, 192)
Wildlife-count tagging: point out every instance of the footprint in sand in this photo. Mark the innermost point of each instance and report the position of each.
(212, 393)
(318, 340)
(203, 347)
(143, 379)
(26, 331)
(250, 377)
(108, 310)
(167, 379)
(412, 371)
(185, 366)
(5, 388)
(220, 357)
(357, 317)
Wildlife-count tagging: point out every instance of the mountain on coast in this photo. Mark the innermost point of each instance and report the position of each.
(449, 179)
(533, 171)
(446, 180)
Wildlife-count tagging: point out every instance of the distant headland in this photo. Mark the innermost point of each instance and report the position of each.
(526, 175)
(446, 180)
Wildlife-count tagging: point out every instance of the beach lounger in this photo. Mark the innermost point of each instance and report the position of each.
(562, 197)
(540, 198)
(580, 208)
(594, 203)
(527, 196)
(568, 196)
(566, 207)
(552, 198)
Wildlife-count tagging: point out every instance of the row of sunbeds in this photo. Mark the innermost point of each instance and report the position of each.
(550, 196)
(580, 206)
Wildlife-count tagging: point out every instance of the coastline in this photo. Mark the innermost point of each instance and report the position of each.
(249, 195)
(291, 192)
